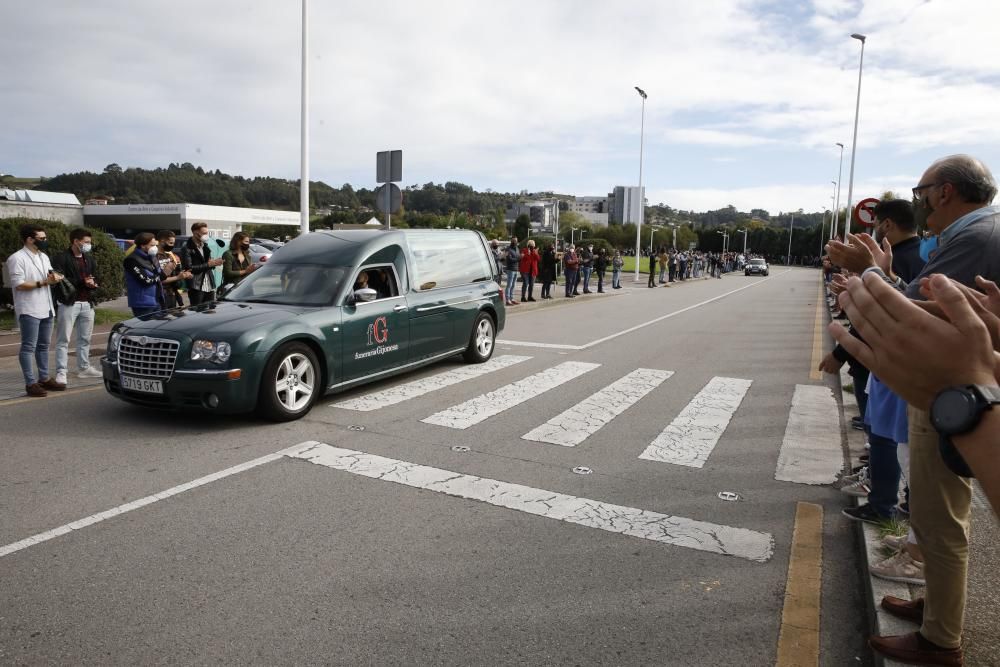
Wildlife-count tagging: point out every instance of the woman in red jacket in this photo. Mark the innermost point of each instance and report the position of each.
(529, 269)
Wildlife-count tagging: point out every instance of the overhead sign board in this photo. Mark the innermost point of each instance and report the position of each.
(864, 212)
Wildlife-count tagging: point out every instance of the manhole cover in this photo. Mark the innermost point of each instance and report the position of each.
(729, 496)
(460, 448)
(355, 427)
(582, 470)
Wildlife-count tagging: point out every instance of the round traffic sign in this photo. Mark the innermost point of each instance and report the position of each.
(864, 212)
(388, 198)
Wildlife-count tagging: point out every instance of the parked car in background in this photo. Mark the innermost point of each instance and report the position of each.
(756, 267)
(259, 254)
(267, 243)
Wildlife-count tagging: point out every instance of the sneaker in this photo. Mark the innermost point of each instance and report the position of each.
(88, 372)
(900, 567)
(858, 489)
(894, 542)
(50, 384)
(863, 513)
(904, 508)
(858, 424)
(861, 475)
(61, 377)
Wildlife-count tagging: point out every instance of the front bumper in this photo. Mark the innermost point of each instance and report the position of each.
(210, 390)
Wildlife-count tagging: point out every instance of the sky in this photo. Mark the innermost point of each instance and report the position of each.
(747, 99)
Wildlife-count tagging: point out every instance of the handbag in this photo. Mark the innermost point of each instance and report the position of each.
(64, 292)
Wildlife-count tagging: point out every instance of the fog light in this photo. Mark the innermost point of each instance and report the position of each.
(212, 401)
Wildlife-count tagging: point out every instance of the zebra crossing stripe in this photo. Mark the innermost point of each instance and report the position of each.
(483, 407)
(587, 417)
(662, 528)
(693, 434)
(811, 451)
(404, 392)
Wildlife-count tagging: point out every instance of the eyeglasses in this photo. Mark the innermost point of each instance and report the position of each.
(920, 188)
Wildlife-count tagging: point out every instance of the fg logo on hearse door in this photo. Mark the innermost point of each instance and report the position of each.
(378, 332)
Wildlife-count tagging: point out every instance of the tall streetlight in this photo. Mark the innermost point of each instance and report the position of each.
(642, 130)
(725, 240)
(571, 231)
(836, 205)
(833, 218)
(822, 225)
(791, 228)
(854, 144)
(744, 242)
(674, 242)
(304, 176)
(652, 233)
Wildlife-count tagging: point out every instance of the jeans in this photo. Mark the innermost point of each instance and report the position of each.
(35, 336)
(663, 272)
(616, 278)
(511, 282)
(587, 271)
(527, 285)
(883, 466)
(546, 288)
(196, 296)
(570, 280)
(81, 316)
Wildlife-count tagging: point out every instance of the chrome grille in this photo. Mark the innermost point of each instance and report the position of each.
(147, 357)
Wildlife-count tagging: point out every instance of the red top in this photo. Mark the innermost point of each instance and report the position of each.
(529, 262)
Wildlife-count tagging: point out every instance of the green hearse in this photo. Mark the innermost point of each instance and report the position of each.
(330, 310)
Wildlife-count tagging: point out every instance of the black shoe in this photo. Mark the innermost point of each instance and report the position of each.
(575, 293)
(587, 291)
(600, 291)
(864, 513)
(530, 298)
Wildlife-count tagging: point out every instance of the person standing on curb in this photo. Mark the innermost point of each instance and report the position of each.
(571, 262)
(601, 266)
(586, 266)
(512, 260)
(236, 262)
(77, 264)
(652, 269)
(31, 275)
(616, 270)
(528, 266)
(196, 257)
(547, 272)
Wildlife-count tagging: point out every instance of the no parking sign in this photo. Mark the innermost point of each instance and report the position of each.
(864, 212)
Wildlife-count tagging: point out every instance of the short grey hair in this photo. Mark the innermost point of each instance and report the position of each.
(971, 178)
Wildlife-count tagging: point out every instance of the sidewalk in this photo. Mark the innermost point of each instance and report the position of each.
(982, 628)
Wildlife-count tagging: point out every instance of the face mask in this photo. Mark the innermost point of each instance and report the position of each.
(42, 244)
(168, 247)
(86, 247)
(245, 246)
(152, 251)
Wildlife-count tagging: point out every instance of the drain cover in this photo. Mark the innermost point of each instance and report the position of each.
(582, 470)
(355, 427)
(729, 496)
(460, 448)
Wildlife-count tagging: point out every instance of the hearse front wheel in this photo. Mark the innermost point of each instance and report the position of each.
(482, 340)
(290, 384)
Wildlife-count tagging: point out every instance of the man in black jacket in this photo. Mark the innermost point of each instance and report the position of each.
(77, 266)
(196, 257)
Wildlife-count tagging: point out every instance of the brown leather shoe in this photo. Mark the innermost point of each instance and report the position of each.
(52, 385)
(913, 649)
(909, 610)
(36, 390)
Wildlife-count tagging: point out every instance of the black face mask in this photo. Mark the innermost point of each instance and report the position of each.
(245, 246)
(168, 247)
(42, 244)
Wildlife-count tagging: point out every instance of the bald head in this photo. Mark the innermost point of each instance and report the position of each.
(970, 177)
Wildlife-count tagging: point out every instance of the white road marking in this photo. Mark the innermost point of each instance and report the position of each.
(638, 326)
(142, 502)
(811, 451)
(404, 392)
(677, 531)
(693, 434)
(484, 406)
(587, 417)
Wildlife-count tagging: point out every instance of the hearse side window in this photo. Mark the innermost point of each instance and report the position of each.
(382, 279)
(447, 260)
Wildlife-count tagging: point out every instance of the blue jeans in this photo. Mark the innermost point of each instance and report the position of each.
(570, 280)
(616, 278)
(883, 466)
(35, 337)
(511, 282)
(587, 270)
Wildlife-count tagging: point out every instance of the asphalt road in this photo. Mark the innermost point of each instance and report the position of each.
(292, 561)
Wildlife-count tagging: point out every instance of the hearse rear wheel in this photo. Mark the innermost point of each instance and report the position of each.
(290, 384)
(482, 340)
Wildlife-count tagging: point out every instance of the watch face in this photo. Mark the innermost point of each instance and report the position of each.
(954, 411)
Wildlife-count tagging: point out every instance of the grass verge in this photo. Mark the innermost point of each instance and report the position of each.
(101, 316)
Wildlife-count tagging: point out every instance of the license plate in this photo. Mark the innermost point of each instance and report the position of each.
(142, 384)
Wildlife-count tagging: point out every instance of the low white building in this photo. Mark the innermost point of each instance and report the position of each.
(56, 206)
(127, 220)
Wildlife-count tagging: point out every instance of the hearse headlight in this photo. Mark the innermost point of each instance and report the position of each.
(207, 350)
(114, 341)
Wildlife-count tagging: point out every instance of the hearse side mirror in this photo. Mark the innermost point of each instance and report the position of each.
(363, 295)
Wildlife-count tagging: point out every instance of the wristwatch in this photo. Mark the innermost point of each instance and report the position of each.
(957, 410)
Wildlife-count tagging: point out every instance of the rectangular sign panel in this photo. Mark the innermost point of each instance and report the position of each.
(389, 166)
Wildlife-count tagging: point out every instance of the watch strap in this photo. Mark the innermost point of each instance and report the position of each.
(990, 394)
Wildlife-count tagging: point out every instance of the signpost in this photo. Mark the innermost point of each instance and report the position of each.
(864, 212)
(389, 170)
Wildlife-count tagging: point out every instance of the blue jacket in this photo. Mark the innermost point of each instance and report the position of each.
(142, 281)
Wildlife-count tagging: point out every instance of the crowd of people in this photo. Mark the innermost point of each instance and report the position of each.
(924, 328)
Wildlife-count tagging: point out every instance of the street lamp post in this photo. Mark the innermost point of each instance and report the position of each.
(836, 204)
(822, 225)
(725, 240)
(642, 130)
(854, 144)
(571, 232)
(304, 175)
(791, 228)
(744, 242)
(674, 244)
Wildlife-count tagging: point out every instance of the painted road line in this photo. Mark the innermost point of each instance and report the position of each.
(690, 438)
(818, 329)
(678, 531)
(798, 639)
(811, 450)
(142, 502)
(404, 392)
(638, 326)
(587, 417)
(483, 407)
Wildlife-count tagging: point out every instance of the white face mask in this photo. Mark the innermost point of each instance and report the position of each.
(152, 251)
(86, 247)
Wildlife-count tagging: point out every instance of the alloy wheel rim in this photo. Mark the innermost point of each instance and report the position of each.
(295, 382)
(484, 337)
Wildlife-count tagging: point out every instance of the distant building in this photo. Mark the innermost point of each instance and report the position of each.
(56, 206)
(624, 204)
(543, 214)
(592, 209)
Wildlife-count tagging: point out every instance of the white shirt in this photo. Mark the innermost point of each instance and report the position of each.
(25, 266)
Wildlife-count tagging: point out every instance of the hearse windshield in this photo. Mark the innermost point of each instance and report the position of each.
(290, 285)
